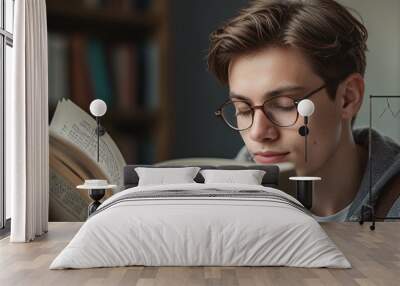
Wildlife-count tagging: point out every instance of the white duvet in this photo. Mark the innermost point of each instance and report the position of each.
(200, 231)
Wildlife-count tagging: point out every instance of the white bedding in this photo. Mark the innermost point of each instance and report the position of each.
(183, 231)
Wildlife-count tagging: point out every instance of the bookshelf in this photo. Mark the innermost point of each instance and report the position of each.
(116, 50)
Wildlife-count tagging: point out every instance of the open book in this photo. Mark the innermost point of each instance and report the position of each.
(73, 158)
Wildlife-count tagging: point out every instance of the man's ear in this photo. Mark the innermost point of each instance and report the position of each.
(351, 93)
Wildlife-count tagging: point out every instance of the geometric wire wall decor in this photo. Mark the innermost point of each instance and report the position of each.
(393, 112)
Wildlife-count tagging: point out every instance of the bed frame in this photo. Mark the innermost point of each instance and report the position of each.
(270, 179)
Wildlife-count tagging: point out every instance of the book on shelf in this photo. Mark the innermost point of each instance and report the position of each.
(73, 158)
(123, 74)
(58, 68)
(81, 92)
(123, 61)
(151, 77)
(99, 71)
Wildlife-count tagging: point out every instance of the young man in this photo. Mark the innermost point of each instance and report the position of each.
(275, 53)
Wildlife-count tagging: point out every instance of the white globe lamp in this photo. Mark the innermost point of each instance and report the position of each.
(305, 108)
(98, 108)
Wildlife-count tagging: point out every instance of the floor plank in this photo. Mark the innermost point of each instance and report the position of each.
(374, 255)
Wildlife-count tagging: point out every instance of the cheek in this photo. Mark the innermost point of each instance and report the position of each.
(325, 132)
(323, 139)
(325, 126)
(295, 141)
(246, 138)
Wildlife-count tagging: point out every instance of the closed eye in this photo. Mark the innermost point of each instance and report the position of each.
(243, 113)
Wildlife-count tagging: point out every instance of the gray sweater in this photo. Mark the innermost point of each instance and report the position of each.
(385, 166)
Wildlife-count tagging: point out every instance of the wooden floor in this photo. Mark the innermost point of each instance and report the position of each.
(374, 255)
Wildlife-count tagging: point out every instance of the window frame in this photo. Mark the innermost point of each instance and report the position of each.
(6, 39)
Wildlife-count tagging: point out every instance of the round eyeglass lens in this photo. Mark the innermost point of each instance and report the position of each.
(281, 110)
(238, 115)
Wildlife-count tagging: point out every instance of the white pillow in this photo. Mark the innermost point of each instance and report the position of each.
(248, 177)
(162, 176)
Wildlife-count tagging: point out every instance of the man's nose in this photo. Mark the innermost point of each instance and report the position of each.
(262, 128)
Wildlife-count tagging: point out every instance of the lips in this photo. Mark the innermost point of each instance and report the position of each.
(270, 157)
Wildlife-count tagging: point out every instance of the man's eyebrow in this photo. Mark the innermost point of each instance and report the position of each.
(271, 93)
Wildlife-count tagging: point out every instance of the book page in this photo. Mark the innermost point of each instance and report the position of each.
(65, 203)
(77, 127)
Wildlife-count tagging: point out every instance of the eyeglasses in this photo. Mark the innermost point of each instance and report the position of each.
(280, 110)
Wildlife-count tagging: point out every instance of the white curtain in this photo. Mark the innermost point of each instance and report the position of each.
(27, 168)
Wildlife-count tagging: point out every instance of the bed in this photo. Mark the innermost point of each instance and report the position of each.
(201, 224)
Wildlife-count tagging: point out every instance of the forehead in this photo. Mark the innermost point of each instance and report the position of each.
(268, 69)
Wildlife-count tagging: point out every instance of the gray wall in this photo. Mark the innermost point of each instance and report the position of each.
(382, 19)
(197, 94)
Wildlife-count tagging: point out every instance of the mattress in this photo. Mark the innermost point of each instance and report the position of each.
(201, 225)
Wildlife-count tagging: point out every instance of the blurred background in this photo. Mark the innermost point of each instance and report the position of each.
(146, 60)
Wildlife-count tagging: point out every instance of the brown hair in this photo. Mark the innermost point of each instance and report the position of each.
(332, 39)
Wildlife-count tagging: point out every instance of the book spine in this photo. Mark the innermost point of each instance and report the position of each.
(141, 74)
(151, 76)
(99, 72)
(81, 90)
(58, 68)
(124, 67)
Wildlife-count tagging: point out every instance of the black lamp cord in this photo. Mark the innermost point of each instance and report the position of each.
(98, 137)
(305, 137)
